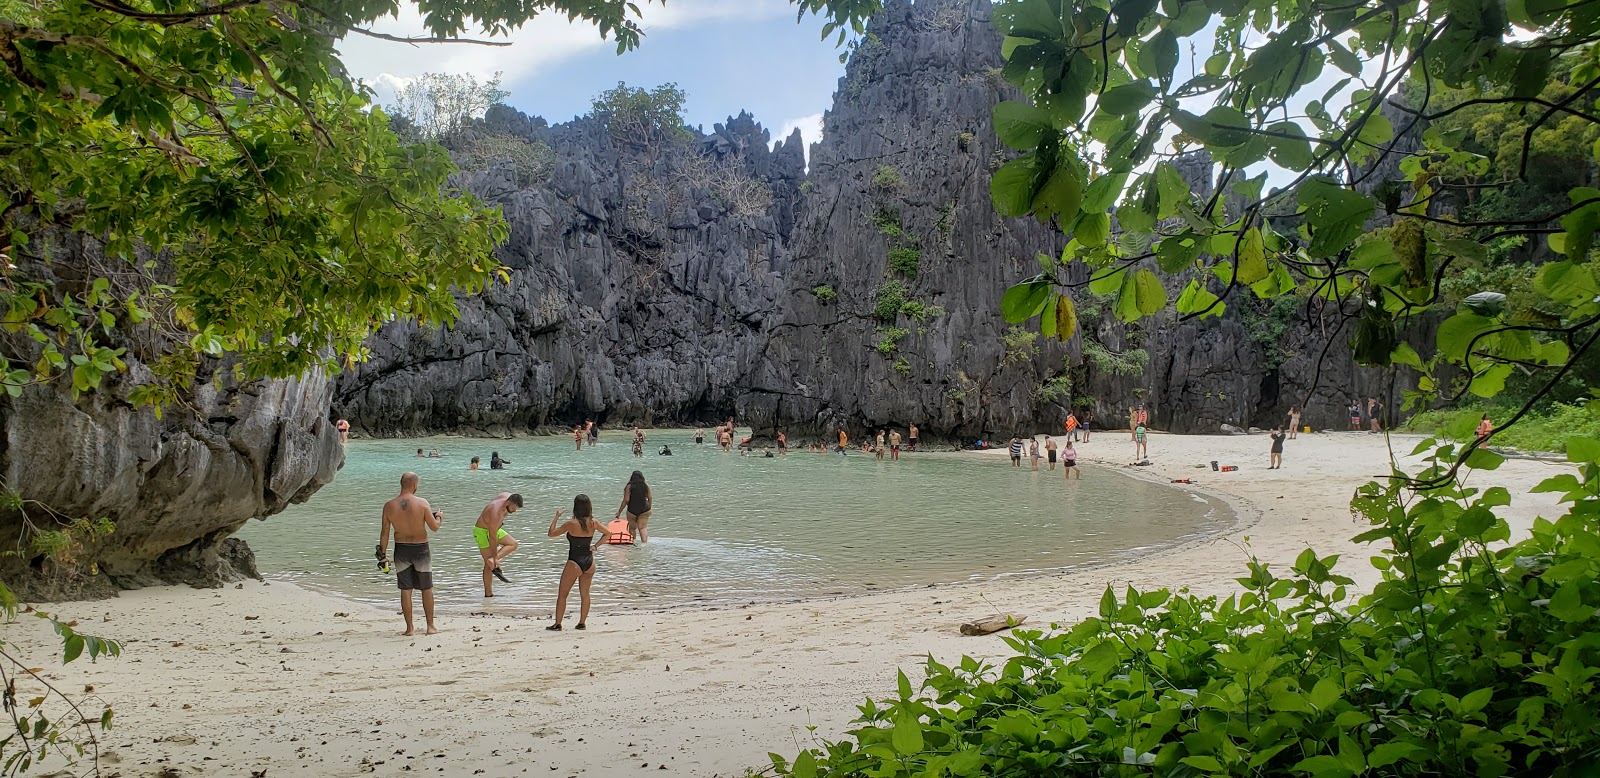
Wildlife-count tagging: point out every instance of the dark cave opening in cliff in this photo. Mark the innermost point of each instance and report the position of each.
(1266, 413)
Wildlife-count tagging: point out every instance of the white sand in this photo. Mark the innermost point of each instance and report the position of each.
(272, 677)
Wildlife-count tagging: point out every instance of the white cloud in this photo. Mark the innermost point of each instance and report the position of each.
(385, 65)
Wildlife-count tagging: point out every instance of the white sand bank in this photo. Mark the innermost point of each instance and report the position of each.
(276, 678)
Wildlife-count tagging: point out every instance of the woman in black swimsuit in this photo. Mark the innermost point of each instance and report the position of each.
(636, 500)
(580, 532)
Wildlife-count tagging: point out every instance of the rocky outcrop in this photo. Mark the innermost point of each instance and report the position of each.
(174, 487)
(861, 292)
(642, 282)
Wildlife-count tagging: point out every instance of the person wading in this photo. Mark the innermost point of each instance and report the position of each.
(411, 518)
(638, 502)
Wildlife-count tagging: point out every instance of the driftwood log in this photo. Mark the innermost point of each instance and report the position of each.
(992, 624)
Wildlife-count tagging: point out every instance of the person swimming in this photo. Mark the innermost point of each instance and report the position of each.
(666, 451)
(496, 463)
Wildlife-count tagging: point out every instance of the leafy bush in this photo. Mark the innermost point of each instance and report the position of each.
(920, 311)
(642, 116)
(1021, 345)
(1547, 431)
(532, 160)
(905, 260)
(1058, 389)
(824, 293)
(887, 220)
(964, 141)
(890, 340)
(888, 177)
(902, 367)
(1469, 658)
(437, 105)
(1128, 363)
(891, 295)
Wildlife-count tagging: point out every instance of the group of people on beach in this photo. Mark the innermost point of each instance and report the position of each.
(410, 518)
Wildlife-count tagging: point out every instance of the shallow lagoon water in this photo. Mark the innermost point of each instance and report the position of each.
(727, 529)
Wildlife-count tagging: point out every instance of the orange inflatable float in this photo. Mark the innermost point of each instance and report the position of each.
(619, 533)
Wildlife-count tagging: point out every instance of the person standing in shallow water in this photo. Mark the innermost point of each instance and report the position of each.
(496, 463)
(411, 518)
(1016, 451)
(580, 530)
(1277, 448)
(343, 427)
(1069, 462)
(911, 438)
(638, 502)
(879, 447)
(894, 445)
(1033, 452)
(1050, 451)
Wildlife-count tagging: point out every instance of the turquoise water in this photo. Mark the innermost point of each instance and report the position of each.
(726, 529)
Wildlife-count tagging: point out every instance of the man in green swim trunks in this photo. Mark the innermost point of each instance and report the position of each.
(491, 525)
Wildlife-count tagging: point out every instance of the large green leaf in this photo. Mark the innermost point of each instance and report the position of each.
(1150, 297)
(1012, 186)
(1252, 265)
(1024, 301)
(1020, 125)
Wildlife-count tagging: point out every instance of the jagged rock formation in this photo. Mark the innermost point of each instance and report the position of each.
(638, 292)
(175, 488)
(642, 279)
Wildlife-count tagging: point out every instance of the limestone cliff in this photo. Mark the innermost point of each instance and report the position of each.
(862, 292)
(175, 487)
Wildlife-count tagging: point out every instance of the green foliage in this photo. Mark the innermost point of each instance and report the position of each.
(1547, 430)
(1268, 322)
(643, 117)
(918, 310)
(889, 340)
(1317, 93)
(533, 161)
(1470, 657)
(887, 177)
(902, 367)
(946, 224)
(824, 293)
(1102, 360)
(964, 141)
(1056, 390)
(888, 299)
(1020, 346)
(433, 106)
(905, 260)
(219, 147)
(46, 723)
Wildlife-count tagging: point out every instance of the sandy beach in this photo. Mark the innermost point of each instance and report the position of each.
(274, 680)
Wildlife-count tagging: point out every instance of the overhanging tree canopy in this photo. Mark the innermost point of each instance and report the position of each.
(1320, 91)
(248, 198)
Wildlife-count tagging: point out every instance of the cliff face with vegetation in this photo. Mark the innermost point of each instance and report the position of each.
(173, 486)
(665, 281)
(662, 280)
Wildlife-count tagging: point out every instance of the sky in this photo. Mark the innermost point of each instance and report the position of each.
(727, 55)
